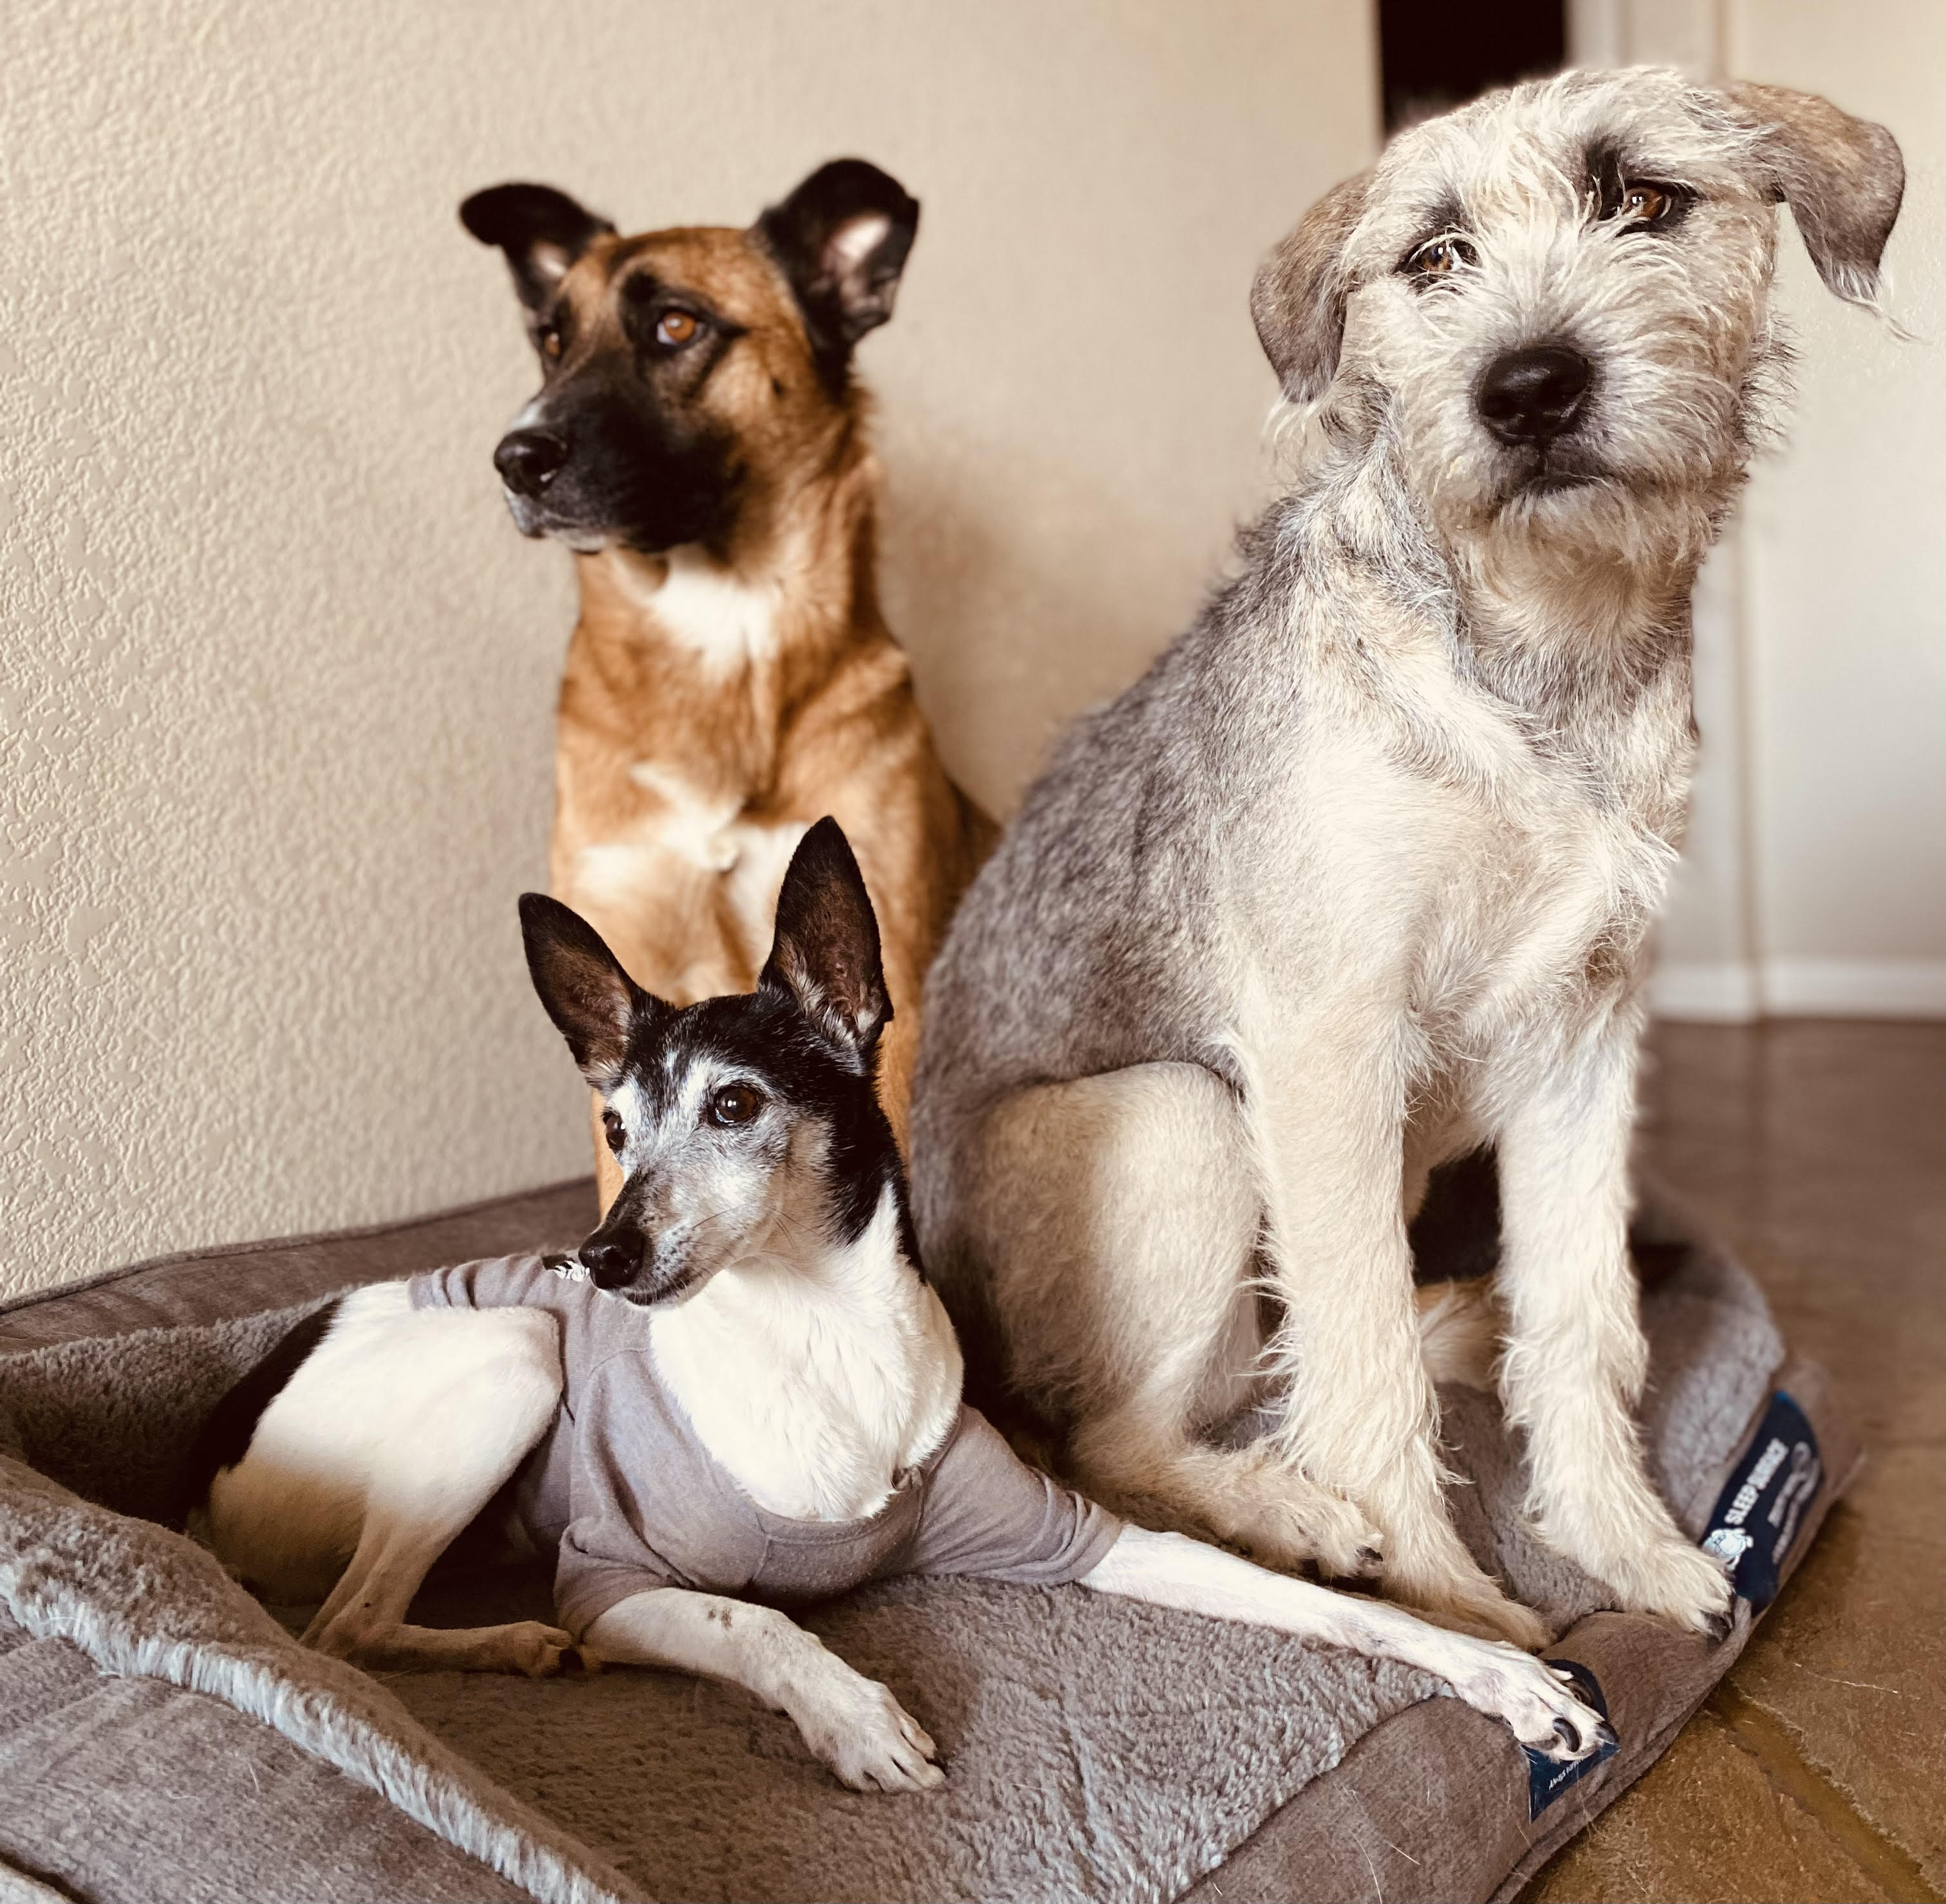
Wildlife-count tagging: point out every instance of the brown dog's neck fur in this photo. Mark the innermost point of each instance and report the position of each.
(809, 543)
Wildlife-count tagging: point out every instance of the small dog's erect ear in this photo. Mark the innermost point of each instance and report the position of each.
(842, 239)
(826, 954)
(1843, 178)
(1298, 300)
(592, 1001)
(542, 232)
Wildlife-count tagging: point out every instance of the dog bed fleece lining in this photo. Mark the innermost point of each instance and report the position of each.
(162, 1735)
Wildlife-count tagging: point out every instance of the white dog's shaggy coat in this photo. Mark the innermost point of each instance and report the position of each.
(1357, 878)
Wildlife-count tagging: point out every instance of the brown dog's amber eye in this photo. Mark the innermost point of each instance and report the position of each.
(550, 342)
(734, 1104)
(1438, 256)
(617, 1135)
(675, 327)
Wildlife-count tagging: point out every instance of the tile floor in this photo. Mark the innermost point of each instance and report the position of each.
(1818, 1770)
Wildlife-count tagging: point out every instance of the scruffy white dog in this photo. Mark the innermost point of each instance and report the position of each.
(1357, 878)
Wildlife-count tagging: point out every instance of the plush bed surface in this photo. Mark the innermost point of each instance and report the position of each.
(1096, 1748)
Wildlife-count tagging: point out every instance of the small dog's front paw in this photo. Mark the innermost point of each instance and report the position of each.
(1538, 1702)
(870, 1741)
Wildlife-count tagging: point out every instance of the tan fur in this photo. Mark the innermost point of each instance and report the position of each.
(684, 774)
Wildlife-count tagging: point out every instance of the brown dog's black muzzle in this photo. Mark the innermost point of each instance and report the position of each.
(529, 460)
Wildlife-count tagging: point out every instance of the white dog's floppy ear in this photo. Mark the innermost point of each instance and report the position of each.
(1841, 177)
(1298, 300)
(541, 231)
(593, 1002)
(826, 955)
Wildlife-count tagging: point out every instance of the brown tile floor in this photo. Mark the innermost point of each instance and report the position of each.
(1818, 1769)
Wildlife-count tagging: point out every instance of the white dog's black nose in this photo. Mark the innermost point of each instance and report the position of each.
(529, 460)
(611, 1261)
(1529, 396)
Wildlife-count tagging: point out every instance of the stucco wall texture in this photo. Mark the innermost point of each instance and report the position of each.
(276, 676)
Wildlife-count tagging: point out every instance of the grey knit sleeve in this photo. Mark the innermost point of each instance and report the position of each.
(987, 1512)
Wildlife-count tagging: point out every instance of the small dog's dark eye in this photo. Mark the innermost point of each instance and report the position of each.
(549, 341)
(734, 1104)
(676, 328)
(1437, 257)
(617, 1133)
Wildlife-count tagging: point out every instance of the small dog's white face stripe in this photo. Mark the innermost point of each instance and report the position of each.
(707, 1189)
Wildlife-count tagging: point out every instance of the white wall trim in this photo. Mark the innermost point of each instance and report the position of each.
(1855, 988)
(1735, 991)
(1726, 993)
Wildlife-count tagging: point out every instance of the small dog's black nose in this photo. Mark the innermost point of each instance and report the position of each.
(611, 1261)
(1529, 396)
(529, 460)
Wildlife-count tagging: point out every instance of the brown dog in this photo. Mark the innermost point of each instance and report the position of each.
(698, 441)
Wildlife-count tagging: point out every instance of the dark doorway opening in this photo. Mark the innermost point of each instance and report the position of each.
(1434, 53)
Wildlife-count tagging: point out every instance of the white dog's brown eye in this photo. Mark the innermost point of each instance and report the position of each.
(734, 1104)
(1653, 204)
(617, 1136)
(1643, 202)
(1439, 257)
(676, 328)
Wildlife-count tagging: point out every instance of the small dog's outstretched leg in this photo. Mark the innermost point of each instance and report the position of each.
(853, 1723)
(1531, 1697)
(1575, 1356)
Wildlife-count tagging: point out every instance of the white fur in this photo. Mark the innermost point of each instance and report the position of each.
(727, 620)
(849, 1372)
(394, 1433)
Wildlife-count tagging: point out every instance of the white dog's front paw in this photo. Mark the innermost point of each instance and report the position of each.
(869, 1740)
(1537, 1700)
(1674, 1581)
(1657, 1571)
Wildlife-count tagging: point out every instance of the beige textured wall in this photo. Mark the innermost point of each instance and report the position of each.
(276, 674)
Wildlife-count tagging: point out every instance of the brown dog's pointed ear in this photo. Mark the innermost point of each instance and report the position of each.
(541, 231)
(1298, 300)
(842, 238)
(826, 954)
(1843, 178)
(593, 1002)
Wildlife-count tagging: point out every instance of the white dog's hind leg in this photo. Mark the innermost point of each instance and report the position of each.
(1121, 1256)
(1575, 1356)
(853, 1723)
(1492, 1677)
(398, 1429)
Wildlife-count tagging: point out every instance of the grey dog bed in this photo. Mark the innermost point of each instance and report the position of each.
(163, 1737)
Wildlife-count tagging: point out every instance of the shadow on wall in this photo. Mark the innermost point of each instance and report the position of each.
(972, 591)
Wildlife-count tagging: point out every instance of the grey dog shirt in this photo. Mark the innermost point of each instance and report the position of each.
(630, 1500)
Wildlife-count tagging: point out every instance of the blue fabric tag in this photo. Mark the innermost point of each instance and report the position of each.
(1547, 1780)
(1762, 1503)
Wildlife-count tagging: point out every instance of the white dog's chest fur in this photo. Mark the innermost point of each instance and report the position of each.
(818, 1383)
(1532, 882)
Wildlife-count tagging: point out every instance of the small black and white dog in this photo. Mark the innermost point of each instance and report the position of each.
(741, 1386)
